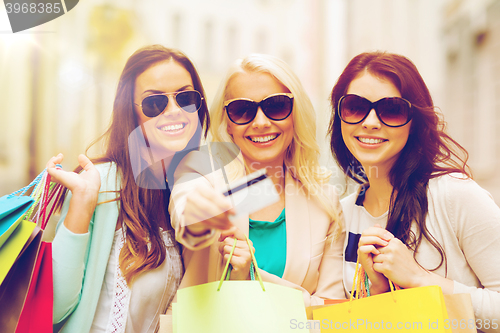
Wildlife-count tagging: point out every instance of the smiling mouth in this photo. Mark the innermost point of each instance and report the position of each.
(370, 141)
(263, 139)
(172, 128)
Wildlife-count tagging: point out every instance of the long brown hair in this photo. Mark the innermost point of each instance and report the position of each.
(141, 210)
(428, 153)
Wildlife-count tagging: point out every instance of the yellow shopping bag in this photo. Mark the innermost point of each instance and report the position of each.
(410, 310)
(13, 247)
(239, 306)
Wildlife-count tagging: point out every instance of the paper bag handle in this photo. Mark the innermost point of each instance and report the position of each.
(26, 188)
(43, 193)
(254, 263)
(360, 277)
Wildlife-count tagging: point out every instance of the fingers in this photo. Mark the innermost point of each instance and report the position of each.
(233, 232)
(85, 162)
(209, 193)
(368, 249)
(84, 185)
(241, 258)
(194, 217)
(54, 160)
(371, 240)
(378, 232)
(206, 205)
(394, 246)
(386, 260)
(53, 171)
(376, 236)
(226, 245)
(238, 253)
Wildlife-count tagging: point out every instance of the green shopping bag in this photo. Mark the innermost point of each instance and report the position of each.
(11, 249)
(238, 306)
(15, 285)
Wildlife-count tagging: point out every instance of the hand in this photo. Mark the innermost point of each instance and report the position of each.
(84, 188)
(241, 258)
(396, 262)
(370, 242)
(207, 209)
(84, 185)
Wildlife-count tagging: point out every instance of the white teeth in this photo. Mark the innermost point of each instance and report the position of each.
(175, 127)
(370, 140)
(263, 138)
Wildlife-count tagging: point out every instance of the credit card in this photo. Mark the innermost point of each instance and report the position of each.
(252, 193)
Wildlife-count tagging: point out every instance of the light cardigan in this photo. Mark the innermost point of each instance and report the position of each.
(67, 257)
(80, 260)
(314, 248)
(465, 221)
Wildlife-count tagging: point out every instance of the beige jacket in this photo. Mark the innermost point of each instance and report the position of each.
(314, 246)
(465, 221)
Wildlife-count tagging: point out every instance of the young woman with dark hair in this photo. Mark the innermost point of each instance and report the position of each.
(116, 263)
(418, 218)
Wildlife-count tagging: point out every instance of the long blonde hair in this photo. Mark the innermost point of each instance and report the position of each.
(302, 155)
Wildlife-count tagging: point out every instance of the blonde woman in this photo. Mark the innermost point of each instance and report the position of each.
(261, 107)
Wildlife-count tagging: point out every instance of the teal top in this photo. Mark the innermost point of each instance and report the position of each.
(269, 241)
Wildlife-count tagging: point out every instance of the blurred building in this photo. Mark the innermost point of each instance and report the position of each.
(58, 81)
(408, 27)
(471, 31)
(62, 81)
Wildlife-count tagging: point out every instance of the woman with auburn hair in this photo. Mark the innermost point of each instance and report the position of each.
(418, 218)
(262, 107)
(115, 260)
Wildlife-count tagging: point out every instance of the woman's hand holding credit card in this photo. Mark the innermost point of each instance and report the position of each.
(251, 193)
(206, 208)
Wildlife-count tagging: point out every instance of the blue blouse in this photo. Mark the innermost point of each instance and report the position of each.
(269, 241)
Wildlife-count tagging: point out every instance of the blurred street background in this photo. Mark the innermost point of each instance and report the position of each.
(58, 80)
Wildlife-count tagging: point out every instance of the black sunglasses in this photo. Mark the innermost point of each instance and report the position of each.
(391, 111)
(242, 111)
(154, 105)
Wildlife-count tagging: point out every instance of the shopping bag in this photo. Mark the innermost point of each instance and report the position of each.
(166, 325)
(238, 306)
(328, 302)
(460, 313)
(459, 307)
(13, 247)
(23, 254)
(15, 286)
(36, 315)
(12, 209)
(409, 310)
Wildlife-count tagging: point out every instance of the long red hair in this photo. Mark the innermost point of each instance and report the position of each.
(428, 153)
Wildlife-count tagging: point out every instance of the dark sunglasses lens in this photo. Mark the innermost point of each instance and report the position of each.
(393, 111)
(353, 109)
(241, 111)
(153, 106)
(277, 107)
(189, 101)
